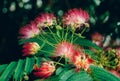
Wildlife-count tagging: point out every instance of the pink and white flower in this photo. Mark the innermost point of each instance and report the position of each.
(81, 61)
(30, 48)
(115, 73)
(46, 69)
(45, 20)
(29, 31)
(65, 49)
(97, 38)
(76, 18)
(118, 52)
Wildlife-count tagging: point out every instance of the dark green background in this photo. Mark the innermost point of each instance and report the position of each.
(104, 18)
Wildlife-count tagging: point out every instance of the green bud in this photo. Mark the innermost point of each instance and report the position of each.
(26, 78)
(58, 27)
(87, 25)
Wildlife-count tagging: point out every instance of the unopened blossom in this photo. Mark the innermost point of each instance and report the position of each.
(45, 20)
(118, 52)
(29, 31)
(118, 66)
(76, 18)
(97, 38)
(81, 61)
(30, 48)
(115, 73)
(65, 49)
(45, 70)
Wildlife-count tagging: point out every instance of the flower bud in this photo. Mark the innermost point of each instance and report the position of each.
(46, 69)
(30, 48)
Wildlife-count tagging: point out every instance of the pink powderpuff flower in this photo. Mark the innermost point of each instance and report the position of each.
(118, 52)
(115, 73)
(76, 18)
(118, 67)
(45, 20)
(29, 31)
(46, 70)
(97, 38)
(81, 61)
(65, 49)
(30, 48)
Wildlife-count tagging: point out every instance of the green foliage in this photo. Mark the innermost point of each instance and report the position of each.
(66, 74)
(22, 41)
(8, 72)
(2, 67)
(52, 78)
(108, 59)
(101, 74)
(17, 70)
(81, 76)
(87, 43)
(29, 65)
(91, 54)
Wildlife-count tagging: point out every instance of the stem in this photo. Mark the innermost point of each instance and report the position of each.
(58, 63)
(66, 34)
(35, 58)
(44, 40)
(62, 34)
(47, 35)
(72, 36)
(83, 31)
(58, 33)
(59, 60)
(53, 34)
(65, 60)
(46, 52)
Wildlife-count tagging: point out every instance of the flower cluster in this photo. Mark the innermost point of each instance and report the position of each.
(65, 49)
(45, 20)
(59, 45)
(81, 61)
(76, 18)
(29, 31)
(75, 55)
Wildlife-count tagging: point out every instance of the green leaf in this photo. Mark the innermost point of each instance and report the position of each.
(91, 53)
(80, 76)
(52, 38)
(59, 70)
(38, 61)
(85, 42)
(62, 72)
(8, 72)
(29, 65)
(22, 41)
(47, 50)
(52, 78)
(66, 74)
(19, 70)
(102, 74)
(2, 67)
